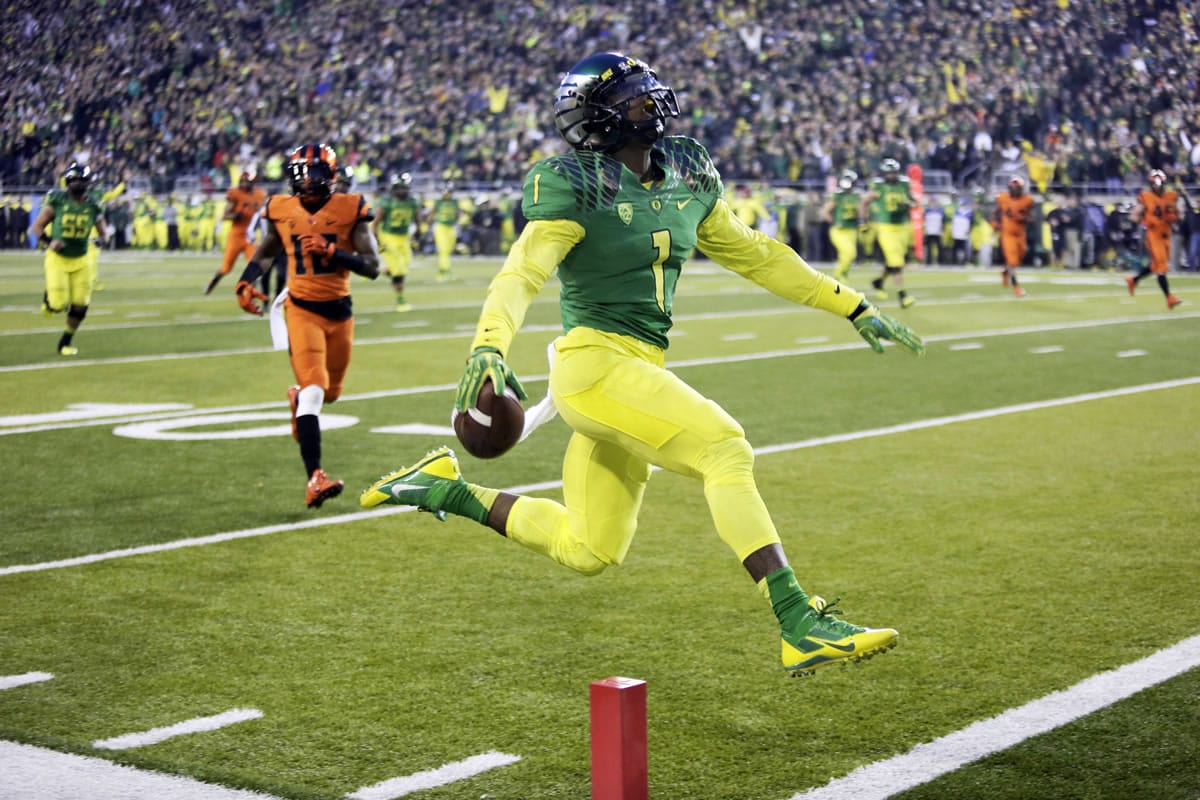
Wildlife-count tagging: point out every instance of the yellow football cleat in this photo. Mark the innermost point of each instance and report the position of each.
(822, 640)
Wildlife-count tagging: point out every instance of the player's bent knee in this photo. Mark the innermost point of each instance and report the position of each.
(586, 564)
(894, 270)
(576, 556)
(728, 456)
(77, 312)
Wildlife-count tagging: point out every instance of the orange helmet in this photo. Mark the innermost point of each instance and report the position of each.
(311, 169)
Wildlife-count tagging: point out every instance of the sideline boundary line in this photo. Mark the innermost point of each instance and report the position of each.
(978, 740)
(554, 484)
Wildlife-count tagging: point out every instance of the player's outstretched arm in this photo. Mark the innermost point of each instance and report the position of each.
(874, 326)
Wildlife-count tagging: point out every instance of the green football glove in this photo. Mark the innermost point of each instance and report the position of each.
(874, 326)
(484, 364)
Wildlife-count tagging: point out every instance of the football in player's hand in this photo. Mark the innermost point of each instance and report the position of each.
(493, 425)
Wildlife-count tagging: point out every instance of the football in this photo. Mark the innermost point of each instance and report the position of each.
(493, 425)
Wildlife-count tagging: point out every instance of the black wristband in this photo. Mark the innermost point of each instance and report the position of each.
(44, 239)
(862, 306)
(350, 261)
(251, 273)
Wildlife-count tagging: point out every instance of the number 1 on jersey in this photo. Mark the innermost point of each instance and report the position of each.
(662, 243)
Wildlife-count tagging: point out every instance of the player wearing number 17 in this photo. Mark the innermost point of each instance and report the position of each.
(617, 218)
(326, 236)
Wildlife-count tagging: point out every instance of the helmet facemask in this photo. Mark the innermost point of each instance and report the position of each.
(610, 100)
(400, 184)
(77, 179)
(311, 170)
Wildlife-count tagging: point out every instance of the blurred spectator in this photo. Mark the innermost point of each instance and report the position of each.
(780, 90)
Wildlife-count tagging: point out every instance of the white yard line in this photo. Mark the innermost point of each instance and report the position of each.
(12, 428)
(466, 329)
(13, 681)
(431, 779)
(925, 762)
(35, 773)
(188, 726)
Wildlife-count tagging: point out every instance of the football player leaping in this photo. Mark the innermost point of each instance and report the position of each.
(617, 218)
(322, 250)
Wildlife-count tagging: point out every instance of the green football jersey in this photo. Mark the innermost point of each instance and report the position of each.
(845, 209)
(445, 211)
(894, 201)
(397, 216)
(73, 220)
(621, 277)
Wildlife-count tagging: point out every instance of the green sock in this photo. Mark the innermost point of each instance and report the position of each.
(466, 500)
(788, 600)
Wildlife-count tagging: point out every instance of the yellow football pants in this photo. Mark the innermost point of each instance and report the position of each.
(894, 241)
(444, 239)
(845, 241)
(396, 252)
(69, 281)
(628, 412)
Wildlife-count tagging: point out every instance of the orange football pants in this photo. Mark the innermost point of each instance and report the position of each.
(1014, 249)
(1159, 246)
(320, 349)
(235, 244)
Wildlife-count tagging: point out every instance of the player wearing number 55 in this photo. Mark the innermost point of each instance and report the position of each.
(617, 217)
(64, 227)
(326, 236)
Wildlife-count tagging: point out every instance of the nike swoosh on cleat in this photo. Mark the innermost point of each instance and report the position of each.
(844, 648)
(397, 488)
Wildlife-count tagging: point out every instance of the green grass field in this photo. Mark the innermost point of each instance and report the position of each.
(1021, 504)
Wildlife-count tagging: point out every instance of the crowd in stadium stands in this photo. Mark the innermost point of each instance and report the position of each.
(1068, 91)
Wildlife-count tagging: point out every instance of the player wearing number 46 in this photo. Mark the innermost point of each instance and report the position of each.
(617, 218)
(326, 236)
(64, 227)
(1157, 210)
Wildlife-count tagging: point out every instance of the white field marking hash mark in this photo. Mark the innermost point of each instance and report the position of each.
(431, 779)
(555, 484)
(197, 725)
(13, 681)
(1131, 353)
(925, 762)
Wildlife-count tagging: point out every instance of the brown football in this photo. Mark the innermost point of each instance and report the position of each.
(493, 426)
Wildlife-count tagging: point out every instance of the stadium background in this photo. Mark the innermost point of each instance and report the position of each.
(175, 99)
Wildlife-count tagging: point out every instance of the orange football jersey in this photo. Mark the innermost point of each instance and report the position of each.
(1014, 213)
(1161, 210)
(246, 204)
(312, 276)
